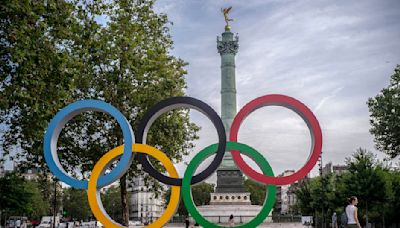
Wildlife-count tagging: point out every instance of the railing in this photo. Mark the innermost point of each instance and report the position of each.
(286, 218)
(243, 219)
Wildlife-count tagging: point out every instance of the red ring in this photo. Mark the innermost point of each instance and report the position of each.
(299, 108)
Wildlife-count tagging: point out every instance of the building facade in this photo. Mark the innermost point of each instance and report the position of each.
(286, 198)
(31, 174)
(335, 169)
(144, 205)
(282, 196)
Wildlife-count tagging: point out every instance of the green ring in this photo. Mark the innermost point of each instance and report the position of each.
(210, 150)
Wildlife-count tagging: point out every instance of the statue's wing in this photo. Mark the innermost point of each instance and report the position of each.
(229, 9)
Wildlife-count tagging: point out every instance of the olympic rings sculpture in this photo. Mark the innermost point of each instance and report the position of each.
(99, 179)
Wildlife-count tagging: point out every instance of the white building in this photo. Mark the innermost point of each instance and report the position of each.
(144, 206)
(335, 169)
(284, 193)
(284, 199)
(31, 174)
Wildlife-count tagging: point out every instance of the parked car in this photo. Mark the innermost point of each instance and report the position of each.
(47, 221)
(135, 223)
(91, 224)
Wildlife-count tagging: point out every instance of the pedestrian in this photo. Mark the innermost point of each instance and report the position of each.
(334, 220)
(187, 222)
(231, 221)
(352, 214)
(18, 223)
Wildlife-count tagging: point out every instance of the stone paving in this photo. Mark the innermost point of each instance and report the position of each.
(270, 225)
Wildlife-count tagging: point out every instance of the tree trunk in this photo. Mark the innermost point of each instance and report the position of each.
(366, 214)
(124, 201)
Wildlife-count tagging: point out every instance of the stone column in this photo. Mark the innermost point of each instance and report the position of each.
(228, 47)
(230, 189)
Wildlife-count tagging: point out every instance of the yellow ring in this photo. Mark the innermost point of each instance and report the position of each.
(98, 170)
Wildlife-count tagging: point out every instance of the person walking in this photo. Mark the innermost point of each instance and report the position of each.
(352, 214)
(187, 222)
(231, 221)
(334, 220)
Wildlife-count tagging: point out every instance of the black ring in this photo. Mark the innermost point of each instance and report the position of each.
(168, 105)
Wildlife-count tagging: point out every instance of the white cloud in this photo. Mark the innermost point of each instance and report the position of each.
(330, 55)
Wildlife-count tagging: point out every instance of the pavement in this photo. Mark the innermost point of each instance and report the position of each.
(269, 225)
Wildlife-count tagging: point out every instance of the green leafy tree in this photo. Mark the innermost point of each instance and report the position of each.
(21, 197)
(304, 197)
(392, 205)
(38, 206)
(132, 69)
(75, 204)
(374, 183)
(55, 52)
(316, 197)
(365, 181)
(256, 190)
(35, 78)
(201, 194)
(112, 203)
(51, 191)
(13, 198)
(385, 117)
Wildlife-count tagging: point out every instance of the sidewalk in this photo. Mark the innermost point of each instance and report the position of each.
(269, 225)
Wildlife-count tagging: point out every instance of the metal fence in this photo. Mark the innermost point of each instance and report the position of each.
(243, 219)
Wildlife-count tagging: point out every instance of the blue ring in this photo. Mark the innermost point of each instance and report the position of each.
(58, 122)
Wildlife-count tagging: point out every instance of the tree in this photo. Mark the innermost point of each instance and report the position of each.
(35, 77)
(201, 194)
(75, 204)
(374, 183)
(38, 206)
(132, 69)
(256, 190)
(55, 52)
(51, 191)
(21, 197)
(317, 197)
(303, 194)
(365, 181)
(384, 111)
(392, 206)
(112, 203)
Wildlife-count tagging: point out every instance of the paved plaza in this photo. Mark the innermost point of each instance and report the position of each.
(270, 225)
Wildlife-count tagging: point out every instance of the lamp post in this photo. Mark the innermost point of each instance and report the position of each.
(322, 189)
(55, 202)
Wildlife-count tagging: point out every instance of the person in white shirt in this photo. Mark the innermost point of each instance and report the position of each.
(351, 212)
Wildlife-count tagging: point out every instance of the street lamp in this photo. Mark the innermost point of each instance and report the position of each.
(55, 202)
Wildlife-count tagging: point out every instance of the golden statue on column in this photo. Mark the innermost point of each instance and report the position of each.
(226, 11)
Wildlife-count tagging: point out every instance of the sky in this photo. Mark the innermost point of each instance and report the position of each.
(330, 55)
